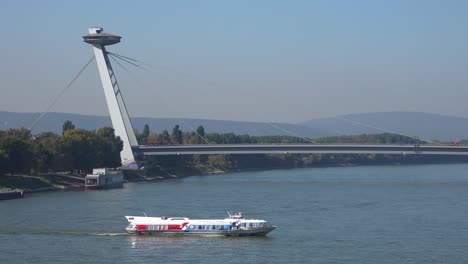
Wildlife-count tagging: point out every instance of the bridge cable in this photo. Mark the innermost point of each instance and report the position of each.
(135, 79)
(193, 130)
(127, 60)
(384, 130)
(139, 83)
(289, 132)
(135, 62)
(116, 61)
(115, 57)
(60, 94)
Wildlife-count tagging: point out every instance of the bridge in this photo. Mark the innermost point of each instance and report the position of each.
(124, 129)
(302, 148)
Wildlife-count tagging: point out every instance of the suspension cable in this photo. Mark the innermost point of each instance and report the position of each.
(127, 60)
(60, 94)
(115, 56)
(138, 82)
(289, 132)
(193, 130)
(135, 63)
(152, 68)
(116, 61)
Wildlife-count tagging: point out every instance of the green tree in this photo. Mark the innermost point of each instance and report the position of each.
(46, 146)
(80, 144)
(165, 136)
(176, 136)
(68, 125)
(145, 134)
(108, 148)
(200, 135)
(3, 162)
(17, 147)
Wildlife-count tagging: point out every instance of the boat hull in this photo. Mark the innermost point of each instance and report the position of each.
(235, 232)
(11, 195)
(234, 225)
(103, 187)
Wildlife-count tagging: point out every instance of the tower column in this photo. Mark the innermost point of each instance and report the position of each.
(115, 102)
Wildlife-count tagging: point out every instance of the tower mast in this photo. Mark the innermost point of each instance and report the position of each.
(115, 102)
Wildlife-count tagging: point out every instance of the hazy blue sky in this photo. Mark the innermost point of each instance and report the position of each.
(242, 60)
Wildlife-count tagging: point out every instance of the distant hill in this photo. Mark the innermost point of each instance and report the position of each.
(54, 121)
(424, 125)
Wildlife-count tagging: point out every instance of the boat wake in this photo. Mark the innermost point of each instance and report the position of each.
(60, 232)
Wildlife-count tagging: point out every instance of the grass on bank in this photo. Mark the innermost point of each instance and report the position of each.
(23, 182)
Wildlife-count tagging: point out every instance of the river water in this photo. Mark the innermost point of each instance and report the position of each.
(377, 214)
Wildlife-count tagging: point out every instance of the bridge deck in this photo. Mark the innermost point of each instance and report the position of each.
(301, 148)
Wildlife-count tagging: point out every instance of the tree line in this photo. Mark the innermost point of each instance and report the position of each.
(75, 149)
(193, 164)
(199, 136)
(78, 149)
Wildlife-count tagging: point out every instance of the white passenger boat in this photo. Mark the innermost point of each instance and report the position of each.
(234, 225)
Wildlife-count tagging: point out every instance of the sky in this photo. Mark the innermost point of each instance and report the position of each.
(263, 60)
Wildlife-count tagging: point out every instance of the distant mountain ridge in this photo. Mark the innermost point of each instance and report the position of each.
(53, 122)
(425, 125)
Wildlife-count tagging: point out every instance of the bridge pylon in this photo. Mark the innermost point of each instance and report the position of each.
(115, 102)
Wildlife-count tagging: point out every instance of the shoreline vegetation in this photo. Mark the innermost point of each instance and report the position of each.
(51, 162)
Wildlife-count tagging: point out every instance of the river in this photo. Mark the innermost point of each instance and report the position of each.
(373, 214)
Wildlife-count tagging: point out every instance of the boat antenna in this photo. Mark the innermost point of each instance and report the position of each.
(229, 213)
(145, 214)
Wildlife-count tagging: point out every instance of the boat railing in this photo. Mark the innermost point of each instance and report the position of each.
(235, 216)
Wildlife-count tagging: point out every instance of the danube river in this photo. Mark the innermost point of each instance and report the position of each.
(378, 214)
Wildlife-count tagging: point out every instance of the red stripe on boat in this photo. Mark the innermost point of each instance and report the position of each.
(141, 227)
(174, 227)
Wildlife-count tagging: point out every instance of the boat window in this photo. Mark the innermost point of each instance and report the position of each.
(91, 181)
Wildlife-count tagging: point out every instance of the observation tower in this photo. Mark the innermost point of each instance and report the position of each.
(115, 102)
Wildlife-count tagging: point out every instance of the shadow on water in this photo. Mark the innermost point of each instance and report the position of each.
(155, 243)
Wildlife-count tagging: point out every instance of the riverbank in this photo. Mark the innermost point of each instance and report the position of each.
(34, 183)
(68, 182)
